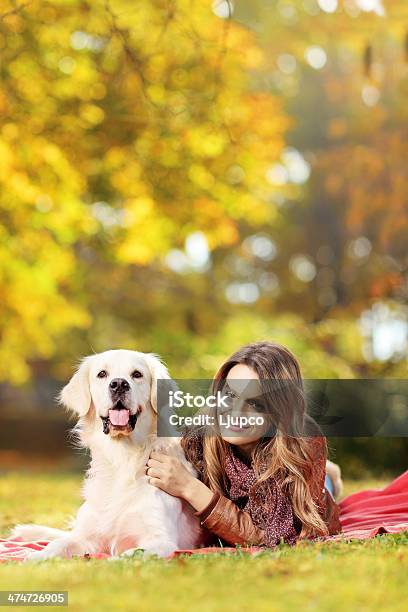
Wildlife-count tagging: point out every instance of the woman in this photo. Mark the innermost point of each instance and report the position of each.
(262, 483)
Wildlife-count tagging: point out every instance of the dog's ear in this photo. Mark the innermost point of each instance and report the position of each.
(158, 371)
(76, 395)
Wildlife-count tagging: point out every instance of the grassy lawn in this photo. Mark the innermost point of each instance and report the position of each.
(333, 576)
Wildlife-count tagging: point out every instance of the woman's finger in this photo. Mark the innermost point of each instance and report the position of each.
(158, 456)
(154, 463)
(153, 472)
(156, 482)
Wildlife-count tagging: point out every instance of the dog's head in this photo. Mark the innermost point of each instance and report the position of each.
(119, 387)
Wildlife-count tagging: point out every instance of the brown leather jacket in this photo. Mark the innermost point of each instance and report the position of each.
(223, 518)
(234, 526)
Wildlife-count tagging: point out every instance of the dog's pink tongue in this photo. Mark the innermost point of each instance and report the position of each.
(119, 417)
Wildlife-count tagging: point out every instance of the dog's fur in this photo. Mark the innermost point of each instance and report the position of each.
(122, 511)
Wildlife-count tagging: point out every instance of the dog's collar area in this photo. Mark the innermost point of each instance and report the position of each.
(106, 422)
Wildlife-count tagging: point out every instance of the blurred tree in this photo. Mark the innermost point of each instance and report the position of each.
(186, 177)
(340, 240)
(183, 180)
(124, 129)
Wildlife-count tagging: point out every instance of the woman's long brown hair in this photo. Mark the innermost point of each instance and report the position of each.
(288, 455)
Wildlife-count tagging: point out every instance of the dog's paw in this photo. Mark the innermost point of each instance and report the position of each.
(132, 553)
(159, 550)
(39, 555)
(64, 548)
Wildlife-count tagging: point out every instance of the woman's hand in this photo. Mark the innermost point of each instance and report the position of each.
(169, 474)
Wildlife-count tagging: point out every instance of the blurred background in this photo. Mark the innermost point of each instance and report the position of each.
(185, 177)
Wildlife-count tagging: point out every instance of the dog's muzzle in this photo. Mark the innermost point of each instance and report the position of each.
(119, 419)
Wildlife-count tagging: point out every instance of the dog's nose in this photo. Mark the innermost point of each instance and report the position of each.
(119, 384)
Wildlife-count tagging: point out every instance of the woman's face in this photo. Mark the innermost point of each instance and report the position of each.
(245, 404)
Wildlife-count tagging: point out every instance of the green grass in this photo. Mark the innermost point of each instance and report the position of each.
(313, 576)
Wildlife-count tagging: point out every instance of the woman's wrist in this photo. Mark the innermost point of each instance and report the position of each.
(197, 494)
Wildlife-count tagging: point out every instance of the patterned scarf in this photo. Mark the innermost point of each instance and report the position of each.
(267, 504)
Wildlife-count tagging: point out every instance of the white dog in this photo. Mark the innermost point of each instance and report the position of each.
(115, 396)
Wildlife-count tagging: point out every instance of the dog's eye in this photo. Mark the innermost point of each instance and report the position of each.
(136, 374)
(102, 374)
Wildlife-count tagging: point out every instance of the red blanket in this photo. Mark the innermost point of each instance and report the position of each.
(363, 515)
